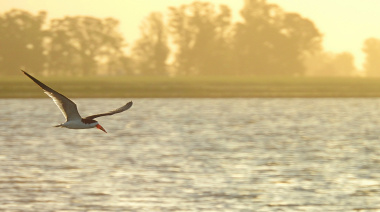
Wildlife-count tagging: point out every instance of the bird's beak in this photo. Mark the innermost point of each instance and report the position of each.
(101, 128)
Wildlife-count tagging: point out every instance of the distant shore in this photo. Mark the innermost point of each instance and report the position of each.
(191, 87)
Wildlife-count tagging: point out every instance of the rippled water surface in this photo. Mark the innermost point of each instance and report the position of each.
(193, 155)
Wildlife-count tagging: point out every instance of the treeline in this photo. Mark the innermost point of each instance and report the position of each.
(67, 46)
(193, 39)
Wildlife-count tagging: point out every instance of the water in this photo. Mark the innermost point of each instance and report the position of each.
(193, 155)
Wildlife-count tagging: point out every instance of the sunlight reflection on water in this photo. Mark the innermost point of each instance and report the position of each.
(193, 155)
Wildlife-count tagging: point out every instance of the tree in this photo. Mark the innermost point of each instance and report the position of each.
(151, 51)
(344, 64)
(272, 42)
(372, 61)
(200, 35)
(80, 45)
(330, 64)
(21, 42)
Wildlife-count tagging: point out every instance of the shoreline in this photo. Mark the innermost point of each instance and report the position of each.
(193, 87)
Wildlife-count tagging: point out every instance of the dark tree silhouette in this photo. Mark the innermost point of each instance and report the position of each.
(199, 33)
(271, 41)
(328, 64)
(371, 48)
(81, 45)
(151, 51)
(21, 42)
(202, 38)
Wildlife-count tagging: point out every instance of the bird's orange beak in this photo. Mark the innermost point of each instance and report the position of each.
(101, 128)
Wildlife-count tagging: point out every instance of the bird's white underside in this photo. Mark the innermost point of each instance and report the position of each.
(77, 124)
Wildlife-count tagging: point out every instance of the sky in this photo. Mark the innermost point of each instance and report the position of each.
(344, 24)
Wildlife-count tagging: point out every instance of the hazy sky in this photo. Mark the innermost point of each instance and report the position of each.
(345, 24)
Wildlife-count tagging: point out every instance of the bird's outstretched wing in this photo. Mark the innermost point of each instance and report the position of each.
(119, 110)
(67, 107)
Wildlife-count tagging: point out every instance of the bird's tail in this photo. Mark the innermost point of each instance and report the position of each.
(59, 125)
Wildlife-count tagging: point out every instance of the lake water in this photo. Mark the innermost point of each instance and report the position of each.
(193, 155)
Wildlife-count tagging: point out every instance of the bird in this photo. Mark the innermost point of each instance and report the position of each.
(70, 111)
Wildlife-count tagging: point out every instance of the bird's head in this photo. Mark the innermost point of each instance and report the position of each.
(100, 127)
(93, 123)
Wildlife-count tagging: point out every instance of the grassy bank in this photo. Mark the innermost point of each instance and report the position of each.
(140, 87)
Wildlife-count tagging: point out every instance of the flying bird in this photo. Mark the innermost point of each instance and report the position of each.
(70, 111)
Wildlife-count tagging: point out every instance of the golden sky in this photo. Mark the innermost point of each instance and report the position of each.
(344, 23)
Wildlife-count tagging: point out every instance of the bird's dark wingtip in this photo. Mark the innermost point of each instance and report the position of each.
(129, 105)
(25, 73)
